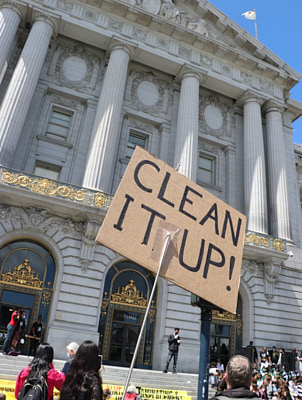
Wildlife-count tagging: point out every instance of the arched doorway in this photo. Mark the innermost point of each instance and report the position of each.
(27, 278)
(126, 294)
(226, 334)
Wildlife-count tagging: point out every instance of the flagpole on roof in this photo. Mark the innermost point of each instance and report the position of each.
(256, 28)
(252, 15)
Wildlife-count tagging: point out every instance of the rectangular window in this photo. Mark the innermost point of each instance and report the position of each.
(134, 140)
(207, 169)
(59, 124)
(46, 170)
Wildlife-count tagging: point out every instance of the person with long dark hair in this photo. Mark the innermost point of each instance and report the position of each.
(41, 366)
(83, 381)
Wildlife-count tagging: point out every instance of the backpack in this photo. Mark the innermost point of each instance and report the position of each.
(34, 389)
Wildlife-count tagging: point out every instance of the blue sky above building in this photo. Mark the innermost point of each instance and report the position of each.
(279, 29)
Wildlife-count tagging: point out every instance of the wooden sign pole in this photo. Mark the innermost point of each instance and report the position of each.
(146, 314)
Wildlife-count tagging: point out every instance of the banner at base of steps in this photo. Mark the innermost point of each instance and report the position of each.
(8, 387)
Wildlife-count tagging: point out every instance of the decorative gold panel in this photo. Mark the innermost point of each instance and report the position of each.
(265, 241)
(54, 188)
(22, 275)
(130, 295)
(223, 315)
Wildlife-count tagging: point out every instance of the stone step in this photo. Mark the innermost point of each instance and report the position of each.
(116, 376)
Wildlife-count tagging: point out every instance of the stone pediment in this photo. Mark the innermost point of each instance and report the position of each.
(192, 30)
(222, 35)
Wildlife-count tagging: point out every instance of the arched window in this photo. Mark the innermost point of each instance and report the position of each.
(27, 277)
(126, 294)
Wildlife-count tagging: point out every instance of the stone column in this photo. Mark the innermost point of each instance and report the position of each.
(22, 86)
(254, 165)
(186, 148)
(278, 193)
(104, 142)
(10, 18)
(163, 149)
(230, 173)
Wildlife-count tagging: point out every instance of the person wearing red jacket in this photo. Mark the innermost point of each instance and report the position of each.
(11, 329)
(131, 394)
(41, 365)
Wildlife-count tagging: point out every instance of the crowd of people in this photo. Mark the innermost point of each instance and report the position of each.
(269, 376)
(80, 378)
(272, 377)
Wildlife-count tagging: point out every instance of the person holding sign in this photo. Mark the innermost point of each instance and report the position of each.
(174, 342)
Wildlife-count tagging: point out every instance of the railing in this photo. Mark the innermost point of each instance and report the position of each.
(269, 242)
(55, 189)
(78, 194)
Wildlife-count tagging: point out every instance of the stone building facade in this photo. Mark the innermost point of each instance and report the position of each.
(83, 83)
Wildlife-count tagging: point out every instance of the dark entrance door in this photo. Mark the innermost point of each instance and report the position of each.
(124, 334)
(220, 343)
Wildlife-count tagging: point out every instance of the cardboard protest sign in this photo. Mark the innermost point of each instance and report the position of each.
(205, 253)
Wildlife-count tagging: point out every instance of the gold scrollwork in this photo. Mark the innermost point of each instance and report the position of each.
(129, 294)
(223, 315)
(46, 297)
(265, 241)
(100, 200)
(105, 303)
(279, 245)
(151, 315)
(22, 275)
(53, 188)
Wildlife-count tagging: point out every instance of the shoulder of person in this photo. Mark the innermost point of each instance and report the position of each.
(24, 372)
(54, 374)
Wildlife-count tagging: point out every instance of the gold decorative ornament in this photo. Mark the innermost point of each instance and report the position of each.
(130, 295)
(223, 315)
(22, 275)
(46, 297)
(54, 188)
(265, 241)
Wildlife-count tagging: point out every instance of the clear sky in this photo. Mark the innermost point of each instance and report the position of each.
(279, 29)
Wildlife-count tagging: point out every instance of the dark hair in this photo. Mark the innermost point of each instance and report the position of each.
(40, 363)
(239, 372)
(82, 379)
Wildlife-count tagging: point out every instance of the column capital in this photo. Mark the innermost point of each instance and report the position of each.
(165, 126)
(250, 96)
(188, 71)
(10, 4)
(52, 21)
(127, 46)
(270, 106)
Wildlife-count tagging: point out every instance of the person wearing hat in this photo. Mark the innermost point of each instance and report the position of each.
(72, 348)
